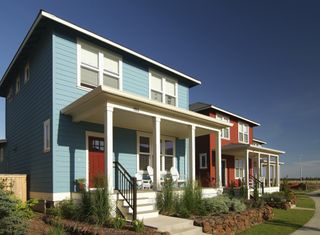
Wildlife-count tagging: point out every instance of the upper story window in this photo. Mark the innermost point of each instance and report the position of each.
(162, 89)
(98, 67)
(225, 133)
(17, 85)
(243, 133)
(26, 73)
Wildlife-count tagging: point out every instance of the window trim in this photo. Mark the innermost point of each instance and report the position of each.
(101, 71)
(227, 119)
(18, 85)
(46, 136)
(148, 135)
(235, 168)
(244, 124)
(163, 155)
(201, 155)
(26, 74)
(163, 92)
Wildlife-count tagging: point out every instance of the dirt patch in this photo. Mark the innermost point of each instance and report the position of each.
(37, 226)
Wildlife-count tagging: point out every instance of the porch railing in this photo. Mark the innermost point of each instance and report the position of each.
(256, 181)
(126, 186)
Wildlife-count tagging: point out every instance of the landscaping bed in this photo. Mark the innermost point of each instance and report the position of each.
(233, 222)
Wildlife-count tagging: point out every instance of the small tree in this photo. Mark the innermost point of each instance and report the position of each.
(255, 192)
(243, 190)
(165, 200)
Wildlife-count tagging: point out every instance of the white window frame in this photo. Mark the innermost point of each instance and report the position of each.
(26, 73)
(205, 156)
(148, 135)
(100, 69)
(243, 133)
(18, 85)
(240, 168)
(225, 119)
(46, 136)
(163, 155)
(163, 92)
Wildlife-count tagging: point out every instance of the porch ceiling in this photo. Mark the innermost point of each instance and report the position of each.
(136, 113)
(239, 149)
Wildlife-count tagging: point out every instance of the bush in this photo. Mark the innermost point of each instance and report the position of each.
(68, 209)
(13, 214)
(232, 192)
(237, 205)
(138, 226)
(243, 190)
(56, 229)
(216, 205)
(165, 199)
(274, 197)
(118, 222)
(101, 208)
(85, 206)
(192, 197)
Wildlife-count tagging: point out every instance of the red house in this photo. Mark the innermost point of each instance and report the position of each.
(243, 158)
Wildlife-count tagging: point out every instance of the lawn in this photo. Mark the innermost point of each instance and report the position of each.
(284, 222)
(304, 201)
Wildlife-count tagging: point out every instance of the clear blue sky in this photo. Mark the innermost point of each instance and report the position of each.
(259, 59)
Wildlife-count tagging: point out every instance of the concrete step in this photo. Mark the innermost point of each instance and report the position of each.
(147, 214)
(187, 231)
(142, 208)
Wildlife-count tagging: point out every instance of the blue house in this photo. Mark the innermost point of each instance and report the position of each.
(79, 105)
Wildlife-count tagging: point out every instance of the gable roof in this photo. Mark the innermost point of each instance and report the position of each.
(48, 16)
(200, 106)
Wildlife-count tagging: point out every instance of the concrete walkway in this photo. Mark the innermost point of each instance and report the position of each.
(313, 226)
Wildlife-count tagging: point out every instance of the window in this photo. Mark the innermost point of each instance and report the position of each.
(144, 151)
(167, 149)
(239, 165)
(203, 161)
(98, 67)
(243, 133)
(46, 136)
(225, 133)
(162, 89)
(26, 73)
(17, 85)
(10, 94)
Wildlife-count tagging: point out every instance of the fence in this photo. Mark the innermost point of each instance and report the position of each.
(15, 183)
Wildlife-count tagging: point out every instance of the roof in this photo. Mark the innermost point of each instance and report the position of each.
(252, 148)
(200, 106)
(45, 15)
(259, 141)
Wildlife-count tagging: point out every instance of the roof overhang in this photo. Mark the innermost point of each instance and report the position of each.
(251, 148)
(45, 15)
(259, 141)
(209, 106)
(91, 107)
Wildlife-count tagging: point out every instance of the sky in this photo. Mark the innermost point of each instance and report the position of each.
(258, 59)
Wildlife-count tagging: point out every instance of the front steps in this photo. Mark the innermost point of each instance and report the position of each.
(173, 225)
(146, 206)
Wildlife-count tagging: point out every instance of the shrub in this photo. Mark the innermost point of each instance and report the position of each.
(138, 226)
(216, 205)
(56, 229)
(192, 197)
(165, 200)
(13, 214)
(232, 192)
(274, 197)
(180, 209)
(237, 205)
(118, 222)
(255, 192)
(85, 206)
(243, 190)
(101, 207)
(68, 209)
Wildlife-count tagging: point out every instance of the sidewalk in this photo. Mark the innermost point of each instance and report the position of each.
(313, 226)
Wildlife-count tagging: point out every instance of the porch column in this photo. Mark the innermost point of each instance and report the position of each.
(247, 172)
(218, 159)
(108, 150)
(278, 171)
(192, 153)
(268, 171)
(156, 153)
(259, 167)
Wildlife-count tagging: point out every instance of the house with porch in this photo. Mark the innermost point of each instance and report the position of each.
(79, 105)
(244, 159)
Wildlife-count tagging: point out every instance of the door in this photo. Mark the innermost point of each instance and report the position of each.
(96, 159)
(224, 172)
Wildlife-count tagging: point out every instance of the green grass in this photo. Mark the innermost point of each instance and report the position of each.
(284, 222)
(304, 201)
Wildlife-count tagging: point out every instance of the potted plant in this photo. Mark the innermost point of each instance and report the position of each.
(80, 184)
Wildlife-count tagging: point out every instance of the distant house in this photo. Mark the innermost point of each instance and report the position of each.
(243, 156)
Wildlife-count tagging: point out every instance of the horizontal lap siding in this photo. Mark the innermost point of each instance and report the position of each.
(181, 157)
(183, 96)
(25, 115)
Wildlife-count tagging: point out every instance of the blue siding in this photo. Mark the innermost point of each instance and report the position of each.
(181, 157)
(135, 79)
(183, 96)
(25, 115)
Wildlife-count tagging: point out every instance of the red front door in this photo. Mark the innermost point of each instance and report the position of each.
(96, 159)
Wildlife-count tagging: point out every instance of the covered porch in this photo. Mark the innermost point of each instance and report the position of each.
(165, 134)
(256, 165)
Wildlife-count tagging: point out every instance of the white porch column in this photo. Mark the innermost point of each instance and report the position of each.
(278, 171)
(218, 158)
(108, 150)
(247, 172)
(268, 171)
(259, 167)
(156, 153)
(192, 153)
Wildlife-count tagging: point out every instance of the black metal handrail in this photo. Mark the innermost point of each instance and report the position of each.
(126, 186)
(258, 182)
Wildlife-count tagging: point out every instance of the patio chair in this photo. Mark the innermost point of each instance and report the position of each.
(141, 183)
(176, 176)
(150, 173)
